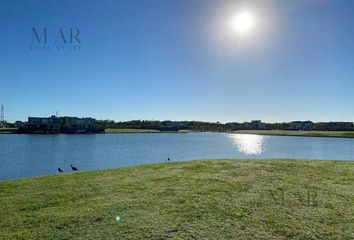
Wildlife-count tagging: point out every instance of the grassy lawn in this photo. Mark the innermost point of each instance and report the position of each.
(211, 199)
(348, 134)
(125, 130)
(7, 130)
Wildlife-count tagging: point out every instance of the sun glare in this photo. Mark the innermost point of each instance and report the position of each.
(243, 22)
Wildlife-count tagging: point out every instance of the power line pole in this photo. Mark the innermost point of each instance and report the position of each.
(2, 117)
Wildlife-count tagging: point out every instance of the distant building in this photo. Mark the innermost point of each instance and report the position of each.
(339, 126)
(51, 124)
(77, 124)
(258, 124)
(19, 124)
(254, 125)
(55, 124)
(301, 125)
(175, 125)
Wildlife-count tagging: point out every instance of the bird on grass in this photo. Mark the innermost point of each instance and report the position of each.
(60, 171)
(73, 168)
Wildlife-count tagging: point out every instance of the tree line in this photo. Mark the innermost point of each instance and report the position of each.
(184, 125)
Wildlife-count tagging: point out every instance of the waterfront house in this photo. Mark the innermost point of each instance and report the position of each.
(301, 125)
(54, 124)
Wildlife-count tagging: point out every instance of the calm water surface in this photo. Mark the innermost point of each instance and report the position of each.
(33, 155)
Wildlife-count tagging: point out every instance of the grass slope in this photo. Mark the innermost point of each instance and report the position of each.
(347, 134)
(212, 199)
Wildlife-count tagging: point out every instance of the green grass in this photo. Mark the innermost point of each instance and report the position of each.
(129, 130)
(345, 134)
(211, 199)
(7, 130)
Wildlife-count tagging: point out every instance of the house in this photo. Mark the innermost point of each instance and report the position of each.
(301, 125)
(54, 124)
(254, 125)
(51, 124)
(257, 124)
(19, 124)
(339, 126)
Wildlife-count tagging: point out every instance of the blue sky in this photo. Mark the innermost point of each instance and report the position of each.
(179, 60)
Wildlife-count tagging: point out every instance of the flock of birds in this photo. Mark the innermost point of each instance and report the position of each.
(76, 169)
(72, 168)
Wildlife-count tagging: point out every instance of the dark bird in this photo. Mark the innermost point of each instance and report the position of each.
(73, 168)
(60, 171)
(168, 159)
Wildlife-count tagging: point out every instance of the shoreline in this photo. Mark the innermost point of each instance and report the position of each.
(175, 162)
(289, 133)
(132, 131)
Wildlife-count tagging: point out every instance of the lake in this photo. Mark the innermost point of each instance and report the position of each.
(35, 155)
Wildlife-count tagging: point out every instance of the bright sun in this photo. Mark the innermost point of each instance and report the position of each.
(243, 22)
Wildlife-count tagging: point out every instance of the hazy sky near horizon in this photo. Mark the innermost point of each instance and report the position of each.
(180, 60)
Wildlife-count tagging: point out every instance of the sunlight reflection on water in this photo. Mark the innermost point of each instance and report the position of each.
(249, 144)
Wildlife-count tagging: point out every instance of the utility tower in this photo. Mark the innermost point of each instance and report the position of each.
(2, 118)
